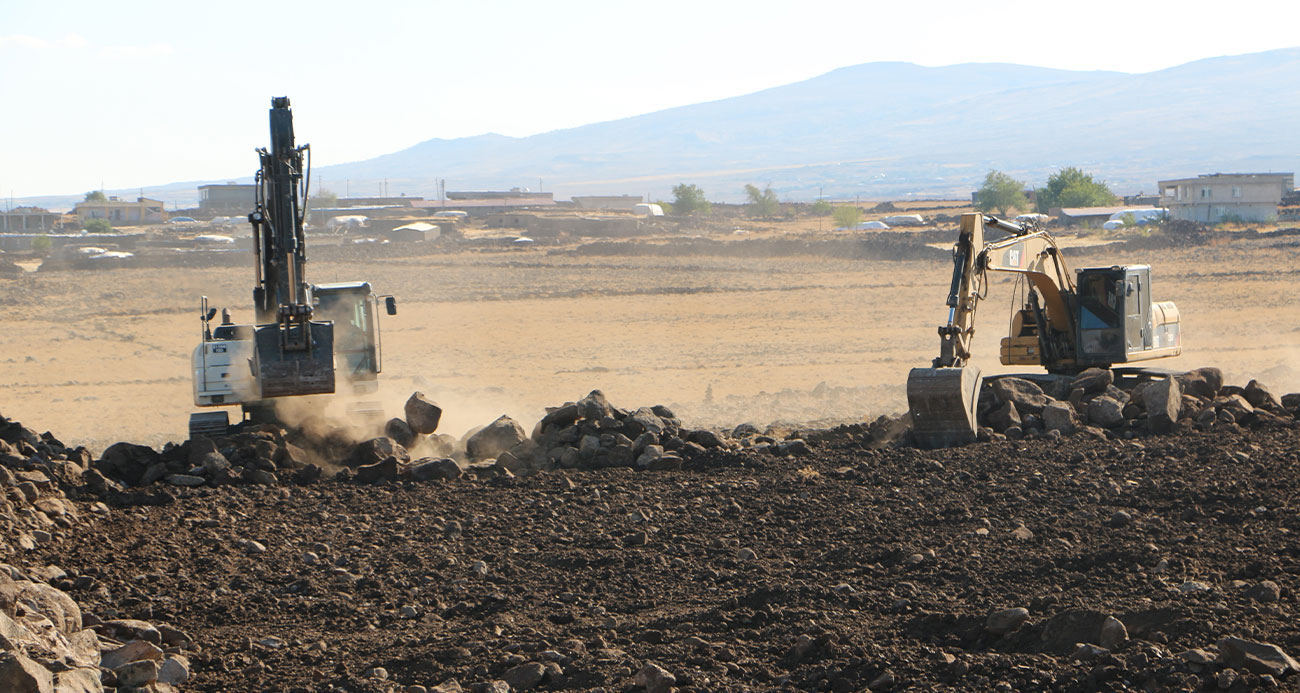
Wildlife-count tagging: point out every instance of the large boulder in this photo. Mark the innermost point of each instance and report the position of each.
(1256, 657)
(499, 436)
(1093, 381)
(422, 414)
(429, 469)
(1259, 395)
(594, 406)
(1164, 400)
(1105, 411)
(374, 451)
(400, 432)
(1202, 382)
(1059, 416)
(127, 462)
(1027, 396)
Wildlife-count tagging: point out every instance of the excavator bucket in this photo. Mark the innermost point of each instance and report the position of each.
(288, 373)
(942, 403)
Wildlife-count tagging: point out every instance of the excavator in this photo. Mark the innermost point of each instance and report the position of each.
(1097, 318)
(305, 338)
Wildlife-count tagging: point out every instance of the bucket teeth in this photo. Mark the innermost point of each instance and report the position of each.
(942, 402)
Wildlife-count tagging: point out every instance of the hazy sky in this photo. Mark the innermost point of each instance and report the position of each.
(140, 93)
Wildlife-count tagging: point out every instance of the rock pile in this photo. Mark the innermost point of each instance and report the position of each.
(46, 643)
(1094, 403)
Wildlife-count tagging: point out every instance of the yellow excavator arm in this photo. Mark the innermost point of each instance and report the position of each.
(1029, 252)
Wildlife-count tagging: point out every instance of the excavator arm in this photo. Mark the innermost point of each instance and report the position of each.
(942, 398)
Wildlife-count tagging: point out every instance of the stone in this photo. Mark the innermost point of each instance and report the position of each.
(133, 651)
(137, 673)
(1105, 411)
(560, 417)
(1086, 652)
(1259, 396)
(79, 680)
(1064, 630)
(654, 678)
(262, 477)
(1022, 533)
(1060, 416)
(1113, 633)
(644, 420)
(387, 470)
(374, 451)
(525, 676)
(649, 455)
(1256, 657)
(400, 432)
(127, 461)
(254, 547)
(174, 637)
(706, 438)
(429, 469)
(1202, 382)
(594, 406)
(175, 670)
(794, 446)
(1004, 417)
(495, 438)
(1266, 591)
(1093, 381)
(125, 629)
(422, 414)
(1163, 400)
(1028, 397)
(1120, 518)
(448, 686)
(18, 674)
(1006, 620)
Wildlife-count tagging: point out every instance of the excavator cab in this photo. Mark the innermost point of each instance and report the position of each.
(354, 309)
(1117, 321)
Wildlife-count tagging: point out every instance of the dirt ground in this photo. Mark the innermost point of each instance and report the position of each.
(847, 570)
(104, 356)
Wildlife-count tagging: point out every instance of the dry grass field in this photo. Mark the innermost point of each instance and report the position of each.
(104, 356)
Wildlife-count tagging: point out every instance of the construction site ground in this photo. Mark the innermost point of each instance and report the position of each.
(848, 569)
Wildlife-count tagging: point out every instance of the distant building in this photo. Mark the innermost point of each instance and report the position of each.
(1215, 197)
(625, 203)
(228, 198)
(513, 194)
(1084, 216)
(21, 219)
(402, 201)
(1142, 200)
(142, 211)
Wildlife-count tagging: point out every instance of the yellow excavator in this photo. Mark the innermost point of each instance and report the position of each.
(1066, 324)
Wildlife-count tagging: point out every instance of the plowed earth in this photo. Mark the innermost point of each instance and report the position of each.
(889, 561)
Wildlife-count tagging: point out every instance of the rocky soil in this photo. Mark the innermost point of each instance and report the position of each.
(1139, 545)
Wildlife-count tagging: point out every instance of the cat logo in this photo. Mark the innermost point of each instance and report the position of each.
(1013, 257)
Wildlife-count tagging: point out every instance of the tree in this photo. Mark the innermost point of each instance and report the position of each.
(41, 244)
(846, 216)
(762, 203)
(689, 199)
(325, 198)
(822, 208)
(1071, 187)
(98, 226)
(96, 196)
(1001, 193)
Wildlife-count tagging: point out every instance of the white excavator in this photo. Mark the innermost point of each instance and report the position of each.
(305, 338)
(1100, 317)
